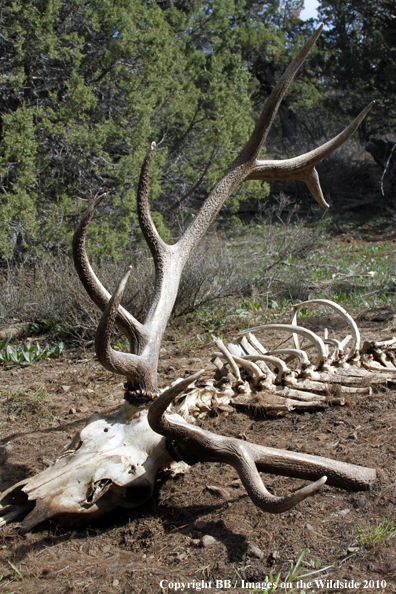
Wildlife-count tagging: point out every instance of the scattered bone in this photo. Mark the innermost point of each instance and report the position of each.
(219, 491)
(340, 310)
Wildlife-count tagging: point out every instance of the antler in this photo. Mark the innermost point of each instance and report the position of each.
(140, 366)
(197, 445)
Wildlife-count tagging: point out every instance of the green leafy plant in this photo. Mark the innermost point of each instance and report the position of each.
(15, 571)
(27, 353)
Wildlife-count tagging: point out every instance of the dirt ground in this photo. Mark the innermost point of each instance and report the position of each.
(152, 549)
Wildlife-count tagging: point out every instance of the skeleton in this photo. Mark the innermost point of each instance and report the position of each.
(306, 385)
(113, 461)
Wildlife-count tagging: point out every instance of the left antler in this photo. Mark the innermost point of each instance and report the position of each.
(140, 365)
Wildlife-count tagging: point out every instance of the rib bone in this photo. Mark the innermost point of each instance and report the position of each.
(344, 314)
(316, 340)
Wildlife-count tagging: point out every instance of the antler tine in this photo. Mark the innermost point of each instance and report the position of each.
(157, 246)
(245, 465)
(131, 366)
(303, 166)
(264, 123)
(156, 418)
(245, 162)
(130, 327)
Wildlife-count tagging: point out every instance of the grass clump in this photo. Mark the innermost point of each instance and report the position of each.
(379, 534)
(274, 582)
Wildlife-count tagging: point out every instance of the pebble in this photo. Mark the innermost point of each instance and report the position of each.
(195, 542)
(274, 556)
(254, 551)
(207, 541)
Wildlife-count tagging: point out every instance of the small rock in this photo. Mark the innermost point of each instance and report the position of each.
(359, 501)
(195, 542)
(353, 549)
(273, 556)
(201, 525)
(254, 551)
(208, 541)
(72, 411)
(116, 583)
(181, 557)
(66, 388)
(309, 527)
(344, 512)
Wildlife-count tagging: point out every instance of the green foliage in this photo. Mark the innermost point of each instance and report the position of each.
(381, 532)
(358, 59)
(27, 353)
(88, 85)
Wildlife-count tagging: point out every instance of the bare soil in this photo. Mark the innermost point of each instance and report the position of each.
(133, 551)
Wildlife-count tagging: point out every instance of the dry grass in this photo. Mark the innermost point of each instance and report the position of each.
(243, 263)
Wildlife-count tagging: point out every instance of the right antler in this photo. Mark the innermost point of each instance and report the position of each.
(140, 365)
(194, 444)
